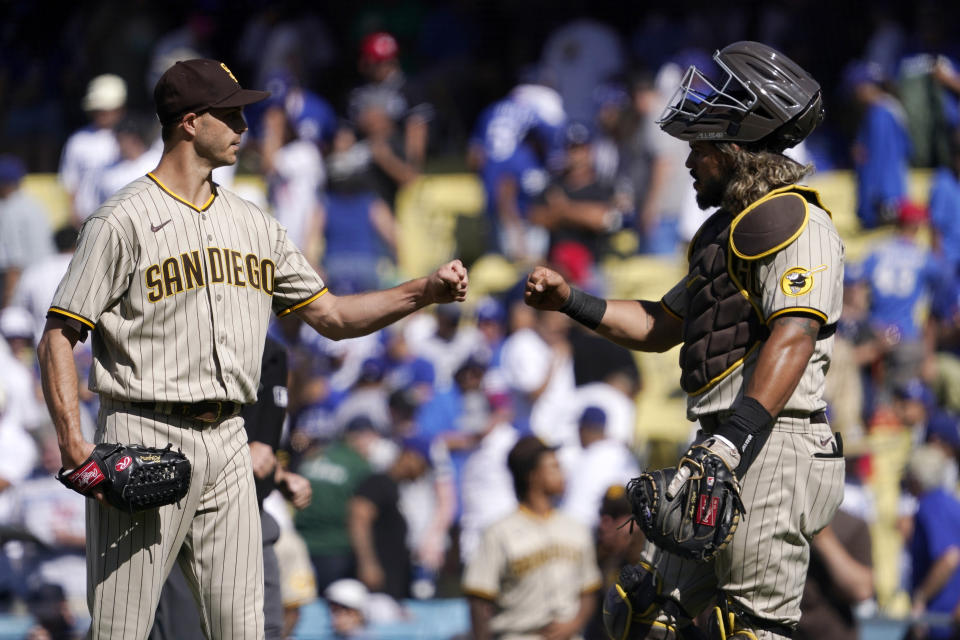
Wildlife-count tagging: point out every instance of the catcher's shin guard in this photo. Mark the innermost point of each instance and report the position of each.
(632, 605)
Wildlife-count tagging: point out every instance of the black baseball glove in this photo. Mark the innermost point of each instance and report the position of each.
(697, 516)
(132, 477)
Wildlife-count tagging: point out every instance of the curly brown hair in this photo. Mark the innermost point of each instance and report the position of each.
(756, 173)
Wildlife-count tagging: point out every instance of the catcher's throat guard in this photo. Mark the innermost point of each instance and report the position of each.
(700, 520)
(132, 478)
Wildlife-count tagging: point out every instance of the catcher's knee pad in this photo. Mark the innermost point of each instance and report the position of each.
(632, 606)
(723, 626)
(728, 622)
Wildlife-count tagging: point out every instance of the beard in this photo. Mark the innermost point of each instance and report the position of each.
(711, 192)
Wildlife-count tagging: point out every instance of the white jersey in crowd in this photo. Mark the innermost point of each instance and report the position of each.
(445, 356)
(19, 401)
(122, 172)
(599, 466)
(36, 287)
(486, 487)
(294, 187)
(43, 508)
(18, 455)
(534, 569)
(24, 231)
(621, 410)
(527, 363)
(86, 153)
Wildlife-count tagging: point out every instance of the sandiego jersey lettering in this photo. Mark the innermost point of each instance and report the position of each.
(179, 297)
(190, 271)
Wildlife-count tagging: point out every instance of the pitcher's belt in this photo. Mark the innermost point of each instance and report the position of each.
(209, 411)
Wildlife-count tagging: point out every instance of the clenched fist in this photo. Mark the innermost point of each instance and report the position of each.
(546, 289)
(448, 283)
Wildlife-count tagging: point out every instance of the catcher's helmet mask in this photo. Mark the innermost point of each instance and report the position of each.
(764, 101)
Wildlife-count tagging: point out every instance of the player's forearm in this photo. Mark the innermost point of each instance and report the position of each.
(399, 171)
(339, 317)
(588, 604)
(385, 225)
(591, 216)
(641, 325)
(481, 611)
(937, 577)
(783, 359)
(853, 581)
(58, 376)
(415, 141)
(360, 528)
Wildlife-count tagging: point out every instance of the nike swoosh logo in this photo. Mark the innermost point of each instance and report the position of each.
(157, 227)
(824, 441)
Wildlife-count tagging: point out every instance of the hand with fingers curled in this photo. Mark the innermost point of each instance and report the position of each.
(546, 289)
(448, 283)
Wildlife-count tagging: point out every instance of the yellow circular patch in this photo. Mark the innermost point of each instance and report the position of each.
(796, 281)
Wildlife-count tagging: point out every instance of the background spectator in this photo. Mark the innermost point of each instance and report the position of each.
(24, 227)
(935, 545)
(602, 462)
(881, 151)
(505, 591)
(91, 149)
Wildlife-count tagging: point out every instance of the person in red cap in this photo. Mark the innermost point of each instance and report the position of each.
(388, 116)
(177, 279)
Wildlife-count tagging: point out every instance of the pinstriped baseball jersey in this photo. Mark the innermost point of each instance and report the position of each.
(179, 297)
(805, 275)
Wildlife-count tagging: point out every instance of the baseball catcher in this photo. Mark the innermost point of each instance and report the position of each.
(131, 477)
(754, 317)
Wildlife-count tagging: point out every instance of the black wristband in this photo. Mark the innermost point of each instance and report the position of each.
(749, 419)
(586, 309)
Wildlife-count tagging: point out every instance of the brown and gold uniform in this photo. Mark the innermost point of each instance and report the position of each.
(534, 569)
(178, 299)
(781, 255)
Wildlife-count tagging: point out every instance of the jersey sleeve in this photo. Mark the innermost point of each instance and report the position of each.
(98, 275)
(675, 300)
(297, 283)
(806, 276)
(481, 578)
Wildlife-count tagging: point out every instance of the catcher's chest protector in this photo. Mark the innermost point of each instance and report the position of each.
(720, 325)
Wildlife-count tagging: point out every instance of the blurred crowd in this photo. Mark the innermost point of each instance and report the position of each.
(404, 435)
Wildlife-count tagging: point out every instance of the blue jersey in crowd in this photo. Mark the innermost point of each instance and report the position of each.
(945, 214)
(936, 530)
(901, 276)
(882, 173)
(502, 132)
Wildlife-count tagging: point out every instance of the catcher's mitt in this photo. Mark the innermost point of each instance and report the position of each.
(132, 477)
(700, 519)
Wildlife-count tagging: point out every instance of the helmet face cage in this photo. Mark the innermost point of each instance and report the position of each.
(697, 96)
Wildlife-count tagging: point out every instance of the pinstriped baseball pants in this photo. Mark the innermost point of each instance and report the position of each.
(214, 533)
(790, 492)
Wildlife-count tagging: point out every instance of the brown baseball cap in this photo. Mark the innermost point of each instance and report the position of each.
(195, 86)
